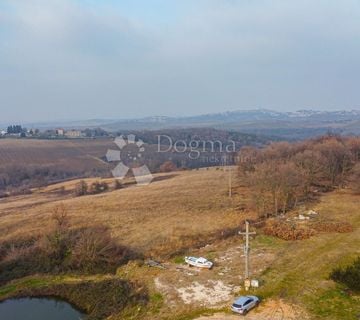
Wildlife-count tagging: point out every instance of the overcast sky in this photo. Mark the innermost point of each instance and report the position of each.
(82, 59)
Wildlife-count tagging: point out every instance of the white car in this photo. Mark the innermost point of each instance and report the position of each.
(199, 262)
(244, 304)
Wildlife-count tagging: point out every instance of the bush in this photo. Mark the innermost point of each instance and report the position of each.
(168, 166)
(95, 250)
(81, 189)
(118, 185)
(98, 187)
(349, 276)
(286, 230)
(20, 191)
(63, 249)
(3, 194)
(332, 226)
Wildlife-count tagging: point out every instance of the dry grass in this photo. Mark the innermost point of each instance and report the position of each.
(159, 218)
(177, 207)
(66, 154)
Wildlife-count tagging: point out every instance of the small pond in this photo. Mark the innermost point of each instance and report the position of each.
(38, 309)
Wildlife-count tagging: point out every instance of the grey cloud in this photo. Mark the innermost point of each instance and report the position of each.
(70, 59)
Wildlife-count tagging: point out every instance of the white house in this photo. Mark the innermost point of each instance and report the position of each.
(60, 132)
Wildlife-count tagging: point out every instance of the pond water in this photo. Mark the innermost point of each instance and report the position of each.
(38, 309)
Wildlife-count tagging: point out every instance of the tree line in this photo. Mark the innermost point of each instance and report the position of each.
(282, 174)
(15, 129)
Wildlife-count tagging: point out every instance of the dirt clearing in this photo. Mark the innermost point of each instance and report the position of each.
(211, 288)
(270, 310)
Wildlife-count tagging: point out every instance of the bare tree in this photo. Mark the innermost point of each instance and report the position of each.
(81, 188)
(168, 166)
(354, 179)
(282, 173)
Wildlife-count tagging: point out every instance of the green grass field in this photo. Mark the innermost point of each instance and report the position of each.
(301, 271)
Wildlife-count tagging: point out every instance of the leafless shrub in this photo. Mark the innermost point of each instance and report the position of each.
(354, 179)
(118, 185)
(98, 187)
(287, 230)
(332, 226)
(168, 166)
(94, 248)
(63, 248)
(81, 189)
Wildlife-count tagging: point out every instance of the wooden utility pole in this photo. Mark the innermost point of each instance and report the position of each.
(230, 183)
(227, 167)
(247, 249)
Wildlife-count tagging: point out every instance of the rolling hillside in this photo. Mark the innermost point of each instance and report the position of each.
(145, 218)
(34, 162)
(190, 213)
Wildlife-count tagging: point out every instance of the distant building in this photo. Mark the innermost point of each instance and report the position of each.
(32, 132)
(73, 134)
(60, 132)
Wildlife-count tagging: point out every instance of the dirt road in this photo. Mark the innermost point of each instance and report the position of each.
(271, 310)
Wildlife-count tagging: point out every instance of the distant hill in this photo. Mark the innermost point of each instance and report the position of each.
(285, 125)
